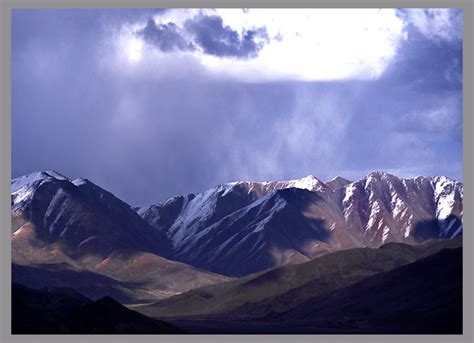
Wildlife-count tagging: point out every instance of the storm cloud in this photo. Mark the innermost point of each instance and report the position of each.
(217, 39)
(209, 34)
(161, 125)
(166, 37)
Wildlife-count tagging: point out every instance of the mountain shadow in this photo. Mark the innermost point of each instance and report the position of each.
(432, 229)
(269, 232)
(280, 289)
(107, 316)
(37, 311)
(65, 311)
(92, 285)
(424, 297)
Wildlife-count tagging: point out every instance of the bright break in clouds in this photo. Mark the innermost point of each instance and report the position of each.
(154, 103)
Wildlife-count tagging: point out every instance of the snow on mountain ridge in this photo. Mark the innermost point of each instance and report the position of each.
(444, 196)
(337, 182)
(80, 182)
(29, 179)
(280, 221)
(198, 208)
(24, 187)
(310, 183)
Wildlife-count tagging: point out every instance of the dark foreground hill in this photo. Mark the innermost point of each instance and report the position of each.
(283, 288)
(64, 311)
(107, 316)
(424, 297)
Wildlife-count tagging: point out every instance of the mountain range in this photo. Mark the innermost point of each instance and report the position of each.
(243, 252)
(244, 227)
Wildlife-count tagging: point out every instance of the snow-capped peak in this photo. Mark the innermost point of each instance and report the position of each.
(23, 187)
(377, 175)
(28, 179)
(310, 183)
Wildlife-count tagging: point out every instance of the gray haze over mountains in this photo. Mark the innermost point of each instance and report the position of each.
(162, 123)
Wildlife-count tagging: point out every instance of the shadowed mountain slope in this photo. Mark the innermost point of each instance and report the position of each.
(244, 227)
(280, 289)
(107, 316)
(64, 311)
(421, 297)
(77, 228)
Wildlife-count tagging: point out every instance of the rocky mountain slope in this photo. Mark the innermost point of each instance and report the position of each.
(234, 229)
(290, 243)
(244, 227)
(74, 227)
(281, 289)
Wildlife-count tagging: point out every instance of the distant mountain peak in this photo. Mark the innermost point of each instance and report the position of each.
(337, 182)
(31, 178)
(340, 178)
(309, 182)
(55, 174)
(309, 177)
(270, 222)
(379, 174)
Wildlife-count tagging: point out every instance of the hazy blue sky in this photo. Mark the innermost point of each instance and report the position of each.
(154, 103)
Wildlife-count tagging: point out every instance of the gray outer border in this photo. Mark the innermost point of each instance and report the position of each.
(5, 166)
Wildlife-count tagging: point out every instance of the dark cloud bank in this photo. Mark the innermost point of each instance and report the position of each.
(208, 33)
(147, 138)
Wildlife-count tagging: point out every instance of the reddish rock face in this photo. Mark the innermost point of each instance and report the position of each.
(245, 227)
(75, 227)
(233, 229)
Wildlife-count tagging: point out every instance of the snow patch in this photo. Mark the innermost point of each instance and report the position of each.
(309, 183)
(142, 210)
(385, 234)
(399, 207)
(373, 214)
(349, 193)
(279, 204)
(407, 232)
(198, 209)
(86, 241)
(228, 187)
(444, 192)
(22, 194)
(24, 187)
(80, 182)
(29, 179)
(457, 232)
